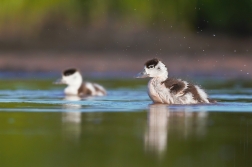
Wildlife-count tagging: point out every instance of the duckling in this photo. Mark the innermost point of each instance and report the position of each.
(162, 89)
(75, 85)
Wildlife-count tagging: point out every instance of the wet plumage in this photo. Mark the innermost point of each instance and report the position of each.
(162, 89)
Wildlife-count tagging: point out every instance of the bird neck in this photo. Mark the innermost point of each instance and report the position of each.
(162, 77)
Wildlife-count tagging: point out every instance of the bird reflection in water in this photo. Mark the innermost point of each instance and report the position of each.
(156, 134)
(163, 120)
(71, 119)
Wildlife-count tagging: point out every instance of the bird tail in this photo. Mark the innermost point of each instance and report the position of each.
(212, 100)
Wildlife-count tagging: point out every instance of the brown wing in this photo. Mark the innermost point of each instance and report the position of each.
(192, 89)
(84, 91)
(174, 85)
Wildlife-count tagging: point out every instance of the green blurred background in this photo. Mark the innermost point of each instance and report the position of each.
(34, 17)
(144, 28)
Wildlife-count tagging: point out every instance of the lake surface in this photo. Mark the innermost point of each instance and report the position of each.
(41, 127)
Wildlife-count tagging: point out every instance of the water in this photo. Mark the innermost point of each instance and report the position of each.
(41, 127)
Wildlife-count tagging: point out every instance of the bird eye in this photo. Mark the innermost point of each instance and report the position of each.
(158, 68)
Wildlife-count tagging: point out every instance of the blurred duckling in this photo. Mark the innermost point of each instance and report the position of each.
(75, 85)
(162, 89)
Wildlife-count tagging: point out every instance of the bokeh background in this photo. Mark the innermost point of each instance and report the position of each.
(207, 42)
(116, 37)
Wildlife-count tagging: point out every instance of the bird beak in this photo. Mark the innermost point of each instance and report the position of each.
(59, 81)
(142, 74)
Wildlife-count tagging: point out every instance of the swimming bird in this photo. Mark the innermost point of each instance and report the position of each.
(75, 85)
(162, 89)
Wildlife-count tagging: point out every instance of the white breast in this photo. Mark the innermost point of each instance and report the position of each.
(158, 92)
(71, 90)
(153, 93)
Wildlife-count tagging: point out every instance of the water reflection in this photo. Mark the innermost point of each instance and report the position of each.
(71, 119)
(186, 123)
(156, 134)
(163, 120)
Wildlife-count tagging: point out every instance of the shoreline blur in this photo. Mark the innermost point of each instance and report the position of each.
(116, 63)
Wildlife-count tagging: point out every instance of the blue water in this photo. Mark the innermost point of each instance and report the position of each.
(117, 100)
